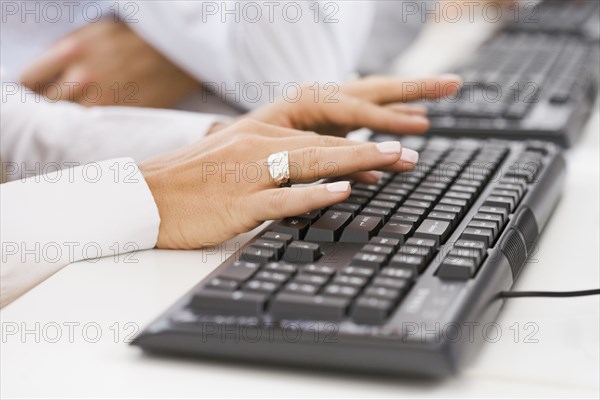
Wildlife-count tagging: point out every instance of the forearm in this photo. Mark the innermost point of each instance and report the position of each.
(38, 133)
(239, 55)
(52, 220)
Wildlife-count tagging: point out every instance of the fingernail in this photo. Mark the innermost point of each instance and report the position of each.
(377, 175)
(389, 147)
(419, 118)
(409, 156)
(338, 187)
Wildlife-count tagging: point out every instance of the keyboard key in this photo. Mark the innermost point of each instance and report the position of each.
(277, 277)
(450, 201)
(351, 208)
(318, 280)
(463, 252)
(361, 229)
(349, 280)
(383, 213)
(495, 210)
(302, 252)
(398, 273)
(424, 197)
(224, 284)
(426, 205)
(396, 231)
(395, 190)
(318, 269)
(385, 251)
(341, 291)
(371, 310)
(281, 267)
(382, 204)
(384, 241)
(312, 216)
(256, 285)
(457, 268)
(497, 218)
(468, 197)
(389, 197)
(362, 193)
(293, 306)
(411, 211)
(278, 237)
(296, 227)
(369, 260)
(405, 219)
(361, 201)
(229, 303)
(421, 242)
(491, 225)
(258, 255)
(507, 186)
(399, 284)
(449, 209)
(421, 251)
(358, 271)
(443, 216)
(364, 186)
(382, 292)
(239, 271)
(277, 247)
(413, 263)
(500, 201)
(434, 230)
(329, 227)
(480, 235)
(478, 246)
(301, 288)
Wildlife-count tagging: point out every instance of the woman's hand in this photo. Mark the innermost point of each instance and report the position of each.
(106, 63)
(377, 103)
(219, 187)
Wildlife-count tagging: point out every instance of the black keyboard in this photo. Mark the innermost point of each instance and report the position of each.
(530, 81)
(575, 17)
(374, 282)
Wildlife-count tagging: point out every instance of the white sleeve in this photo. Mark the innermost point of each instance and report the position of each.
(48, 221)
(35, 132)
(226, 44)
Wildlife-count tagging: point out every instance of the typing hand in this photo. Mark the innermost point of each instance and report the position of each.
(375, 102)
(219, 187)
(106, 63)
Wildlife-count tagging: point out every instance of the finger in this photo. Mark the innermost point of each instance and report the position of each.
(412, 109)
(249, 125)
(384, 90)
(370, 177)
(70, 86)
(354, 113)
(48, 67)
(313, 163)
(285, 202)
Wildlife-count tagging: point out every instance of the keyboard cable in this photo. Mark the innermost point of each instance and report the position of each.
(576, 293)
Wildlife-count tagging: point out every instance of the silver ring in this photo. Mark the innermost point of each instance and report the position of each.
(279, 168)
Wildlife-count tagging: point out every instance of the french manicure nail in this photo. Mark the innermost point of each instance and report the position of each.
(389, 147)
(409, 156)
(338, 187)
(376, 175)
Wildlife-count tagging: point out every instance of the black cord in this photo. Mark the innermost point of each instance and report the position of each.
(576, 293)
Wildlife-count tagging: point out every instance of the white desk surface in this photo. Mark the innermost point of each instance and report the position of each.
(564, 363)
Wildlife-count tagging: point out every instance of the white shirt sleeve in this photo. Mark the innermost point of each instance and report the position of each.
(48, 221)
(36, 134)
(247, 57)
